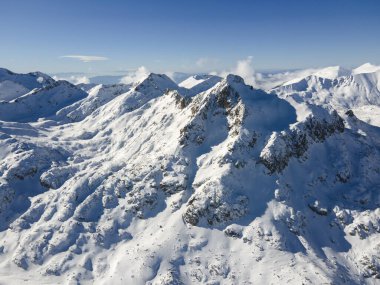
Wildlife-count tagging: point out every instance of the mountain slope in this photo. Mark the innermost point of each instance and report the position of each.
(158, 187)
(41, 103)
(13, 85)
(332, 72)
(199, 83)
(366, 68)
(137, 94)
(357, 91)
(97, 96)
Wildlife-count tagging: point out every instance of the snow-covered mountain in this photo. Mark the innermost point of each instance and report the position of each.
(359, 91)
(40, 103)
(332, 72)
(97, 96)
(271, 80)
(199, 83)
(13, 85)
(366, 68)
(155, 183)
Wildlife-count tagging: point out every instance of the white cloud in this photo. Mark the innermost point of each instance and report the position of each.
(134, 76)
(75, 79)
(243, 68)
(86, 58)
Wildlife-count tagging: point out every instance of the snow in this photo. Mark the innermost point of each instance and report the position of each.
(268, 81)
(332, 72)
(10, 90)
(206, 182)
(199, 83)
(359, 92)
(43, 102)
(97, 96)
(192, 81)
(13, 85)
(366, 68)
(369, 114)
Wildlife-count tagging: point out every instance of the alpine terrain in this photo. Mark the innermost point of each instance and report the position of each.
(205, 181)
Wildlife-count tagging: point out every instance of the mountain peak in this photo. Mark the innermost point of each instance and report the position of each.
(234, 79)
(18, 84)
(332, 72)
(40, 74)
(156, 77)
(156, 81)
(366, 68)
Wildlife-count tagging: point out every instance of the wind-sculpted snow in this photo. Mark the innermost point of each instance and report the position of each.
(151, 184)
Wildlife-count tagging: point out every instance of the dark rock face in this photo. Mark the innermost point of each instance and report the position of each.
(320, 130)
(295, 142)
(181, 101)
(233, 232)
(317, 209)
(219, 210)
(223, 102)
(350, 113)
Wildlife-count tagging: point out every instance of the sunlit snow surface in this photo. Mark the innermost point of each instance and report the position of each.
(209, 182)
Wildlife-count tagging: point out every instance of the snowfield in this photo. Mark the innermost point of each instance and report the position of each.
(208, 181)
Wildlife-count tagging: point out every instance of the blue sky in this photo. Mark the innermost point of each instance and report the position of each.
(187, 36)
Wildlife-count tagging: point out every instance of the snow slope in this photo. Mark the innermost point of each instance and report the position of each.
(40, 103)
(150, 185)
(272, 80)
(366, 68)
(97, 96)
(332, 72)
(199, 83)
(357, 91)
(13, 85)
(194, 80)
